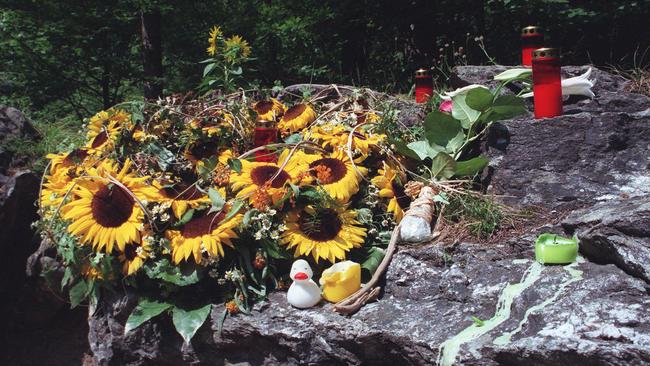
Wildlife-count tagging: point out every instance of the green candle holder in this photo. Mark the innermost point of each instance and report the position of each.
(555, 249)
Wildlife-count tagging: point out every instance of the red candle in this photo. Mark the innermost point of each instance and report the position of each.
(423, 86)
(265, 133)
(531, 39)
(547, 84)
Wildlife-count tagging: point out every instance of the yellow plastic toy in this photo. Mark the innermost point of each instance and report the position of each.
(340, 280)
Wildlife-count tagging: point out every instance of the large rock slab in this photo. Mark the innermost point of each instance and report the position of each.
(596, 151)
(534, 315)
(616, 232)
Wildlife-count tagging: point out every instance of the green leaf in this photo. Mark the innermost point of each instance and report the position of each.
(78, 293)
(293, 139)
(236, 206)
(364, 216)
(67, 277)
(187, 216)
(509, 106)
(247, 217)
(443, 166)
(477, 321)
(217, 200)
(373, 259)
(145, 310)
(479, 99)
(220, 321)
(440, 128)
(163, 156)
(208, 68)
(513, 74)
(424, 150)
(183, 275)
(471, 166)
(187, 322)
(404, 150)
(235, 165)
(237, 71)
(456, 143)
(462, 112)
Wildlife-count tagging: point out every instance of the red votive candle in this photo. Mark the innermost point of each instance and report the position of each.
(547, 84)
(265, 133)
(531, 39)
(423, 86)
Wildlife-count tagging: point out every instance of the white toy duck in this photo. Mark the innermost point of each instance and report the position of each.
(303, 292)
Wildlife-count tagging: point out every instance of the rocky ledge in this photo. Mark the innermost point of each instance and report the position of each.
(467, 303)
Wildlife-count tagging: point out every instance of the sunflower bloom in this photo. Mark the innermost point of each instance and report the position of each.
(325, 233)
(390, 183)
(296, 118)
(104, 214)
(206, 232)
(183, 196)
(215, 33)
(336, 174)
(236, 45)
(335, 137)
(269, 110)
(134, 255)
(254, 182)
(104, 129)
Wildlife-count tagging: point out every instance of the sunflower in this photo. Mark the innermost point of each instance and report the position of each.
(254, 182)
(104, 128)
(105, 214)
(205, 232)
(236, 45)
(134, 255)
(55, 187)
(336, 174)
(214, 124)
(199, 150)
(73, 159)
(326, 233)
(215, 33)
(296, 118)
(390, 183)
(269, 110)
(183, 196)
(336, 137)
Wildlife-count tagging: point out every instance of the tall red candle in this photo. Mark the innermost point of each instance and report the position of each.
(265, 133)
(423, 86)
(531, 39)
(547, 83)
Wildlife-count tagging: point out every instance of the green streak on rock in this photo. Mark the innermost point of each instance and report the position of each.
(449, 349)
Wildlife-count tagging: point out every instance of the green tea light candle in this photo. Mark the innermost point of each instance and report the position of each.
(555, 249)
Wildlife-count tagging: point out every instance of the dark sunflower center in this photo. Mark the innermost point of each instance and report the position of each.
(335, 170)
(203, 150)
(323, 226)
(99, 140)
(294, 112)
(181, 191)
(111, 207)
(202, 225)
(75, 157)
(130, 251)
(403, 200)
(262, 174)
(263, 107)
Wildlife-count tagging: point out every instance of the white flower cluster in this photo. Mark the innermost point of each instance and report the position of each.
(266, 226)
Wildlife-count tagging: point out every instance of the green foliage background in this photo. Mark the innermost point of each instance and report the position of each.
(64, 60)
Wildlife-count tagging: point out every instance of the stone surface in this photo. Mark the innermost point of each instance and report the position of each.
(597, 151)
(13, 124)
(615, 232)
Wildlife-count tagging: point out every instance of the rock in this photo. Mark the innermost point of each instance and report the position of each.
(13, 124)
(616, 232)
(17, 241)
(582, 314)
(597, 151)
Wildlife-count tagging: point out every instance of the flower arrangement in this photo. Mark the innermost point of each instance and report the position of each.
(168, 200)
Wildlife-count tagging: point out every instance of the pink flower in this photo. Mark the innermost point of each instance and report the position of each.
(446, 106)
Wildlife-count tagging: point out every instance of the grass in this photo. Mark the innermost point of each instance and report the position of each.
(55, 136)
(479, 214)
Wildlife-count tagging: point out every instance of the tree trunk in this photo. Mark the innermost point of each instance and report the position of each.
(151, 53)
